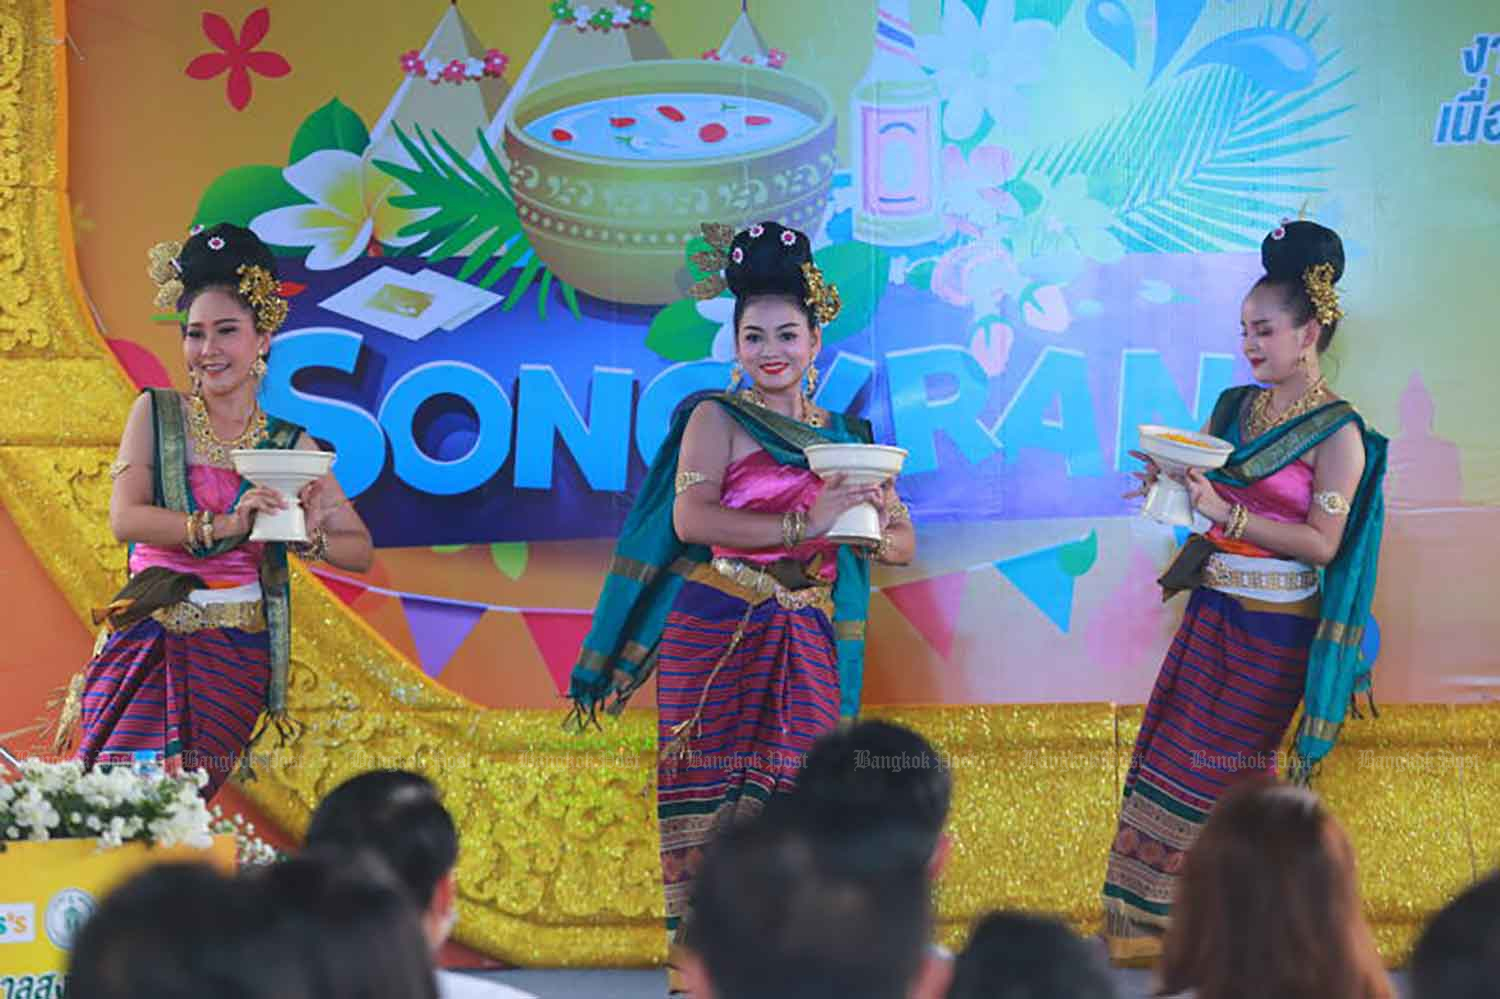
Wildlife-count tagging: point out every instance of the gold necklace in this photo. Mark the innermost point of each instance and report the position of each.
(1260, 419)
(213, 448)
(810, 414)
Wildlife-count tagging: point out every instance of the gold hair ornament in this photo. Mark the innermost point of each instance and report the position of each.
(1318, 279)
(165, 273)
(713, 261)
(260, 289)
(822, 297)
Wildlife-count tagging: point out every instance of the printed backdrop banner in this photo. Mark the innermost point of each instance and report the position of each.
(1042, 216)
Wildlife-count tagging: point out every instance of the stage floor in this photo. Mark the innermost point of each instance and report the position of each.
(564, 984)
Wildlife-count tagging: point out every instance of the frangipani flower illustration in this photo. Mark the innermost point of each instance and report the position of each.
(351, 207)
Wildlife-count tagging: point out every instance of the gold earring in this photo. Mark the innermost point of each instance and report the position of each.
(734, 376)
(258, 367)
(197, 382)
(812, 378)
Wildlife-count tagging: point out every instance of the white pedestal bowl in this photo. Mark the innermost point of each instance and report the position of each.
(1175, 451)
(865, 464)
(286, 472)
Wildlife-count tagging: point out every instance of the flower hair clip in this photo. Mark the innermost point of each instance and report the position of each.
(757, 231)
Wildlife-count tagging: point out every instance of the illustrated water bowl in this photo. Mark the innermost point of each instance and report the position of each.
(1175, 451)
(285, 471)
(614, 169)
(862, 464)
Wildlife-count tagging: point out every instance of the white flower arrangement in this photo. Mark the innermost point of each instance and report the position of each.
(117, 805)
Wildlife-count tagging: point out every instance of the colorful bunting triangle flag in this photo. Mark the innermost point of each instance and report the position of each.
(438, 628)
(558, 637)
(932, 606)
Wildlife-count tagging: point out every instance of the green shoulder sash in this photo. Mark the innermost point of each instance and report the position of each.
(1337, 669)
(172, 490)
(650, 564)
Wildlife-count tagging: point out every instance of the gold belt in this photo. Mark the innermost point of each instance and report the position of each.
(185, 617)
(1217, 574)
(762, 585)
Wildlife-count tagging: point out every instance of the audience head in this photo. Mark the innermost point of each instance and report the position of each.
(1458, 955)
(349, 923)
(799, 904)
(883, 773)
(399, 817)
(181, 931)
(1269, 904)
(1011, 955)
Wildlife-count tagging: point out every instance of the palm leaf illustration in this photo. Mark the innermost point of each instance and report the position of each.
(1211, 160)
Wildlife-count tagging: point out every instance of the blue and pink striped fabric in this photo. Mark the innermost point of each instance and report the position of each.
(1222, 703)
(193, 698)
(775, 694)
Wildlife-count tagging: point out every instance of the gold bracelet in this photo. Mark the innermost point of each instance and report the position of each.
(315, 550)
(882, 549)
(192, 538)
(1239, 519)
(897, 512)
(793, 528)
(208, 528)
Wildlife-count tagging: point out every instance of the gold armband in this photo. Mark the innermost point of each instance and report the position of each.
(687, 480)
(1331, 503)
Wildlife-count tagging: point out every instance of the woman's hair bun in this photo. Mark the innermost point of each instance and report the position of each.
(1293, 247)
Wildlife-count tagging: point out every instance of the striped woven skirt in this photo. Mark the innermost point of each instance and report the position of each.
(745, 686)
(1225, 696)
(191, 697)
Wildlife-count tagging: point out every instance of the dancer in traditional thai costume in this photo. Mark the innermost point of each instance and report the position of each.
(1281, 588)
(722, 585)
(197, 644)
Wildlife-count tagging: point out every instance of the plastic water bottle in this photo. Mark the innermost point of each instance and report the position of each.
(146, 763)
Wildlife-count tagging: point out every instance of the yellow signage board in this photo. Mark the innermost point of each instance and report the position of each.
(47, 890)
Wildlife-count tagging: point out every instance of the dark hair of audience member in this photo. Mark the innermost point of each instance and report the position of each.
(799, 904)
(396, 815)
(1269, 905)
(883, 772)
(181, 931)
(1013, 955)
(1458, 954)
(350, 923)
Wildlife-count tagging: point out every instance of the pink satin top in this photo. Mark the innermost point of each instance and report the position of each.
(1285, 497)
(761, 483)
(213, 489)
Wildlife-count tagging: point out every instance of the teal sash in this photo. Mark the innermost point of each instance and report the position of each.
(650, 565)
(171, 489)
(1336, 668)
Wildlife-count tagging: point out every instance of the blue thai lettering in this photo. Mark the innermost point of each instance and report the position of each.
(1492, 124)
(1475, 56)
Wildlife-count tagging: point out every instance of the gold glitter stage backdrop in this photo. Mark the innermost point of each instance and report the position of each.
(559, 858)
